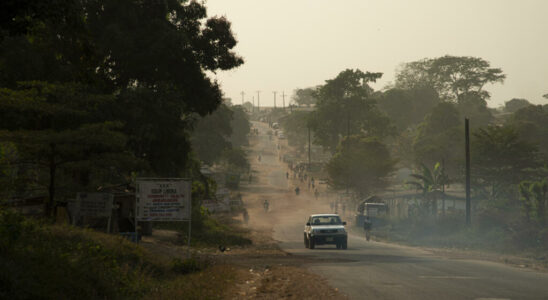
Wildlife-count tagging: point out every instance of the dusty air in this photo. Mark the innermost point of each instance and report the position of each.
(272, 150)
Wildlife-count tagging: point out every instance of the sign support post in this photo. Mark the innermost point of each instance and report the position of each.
(189, 228)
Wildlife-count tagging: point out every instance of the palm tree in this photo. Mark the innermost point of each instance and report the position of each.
(431, 183)
(534, 197)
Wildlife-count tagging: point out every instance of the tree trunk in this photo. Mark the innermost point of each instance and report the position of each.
(51, 188)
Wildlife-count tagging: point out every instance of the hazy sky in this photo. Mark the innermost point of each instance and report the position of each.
(289, 44)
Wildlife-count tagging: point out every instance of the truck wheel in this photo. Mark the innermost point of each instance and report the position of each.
(305, 241)
(345, 245)
(311, 243)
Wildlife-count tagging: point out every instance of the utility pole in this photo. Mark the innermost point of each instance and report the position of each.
(467, 150)
(274, 92)
(309, 161)
(243, 95)
(253, 104)
(347, 142)
(258, 101)
(283, 100)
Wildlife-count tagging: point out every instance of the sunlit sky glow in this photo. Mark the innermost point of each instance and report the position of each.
(289, 44)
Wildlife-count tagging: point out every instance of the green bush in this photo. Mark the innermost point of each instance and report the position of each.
(59, 262)
(210, 232)
(189, 265)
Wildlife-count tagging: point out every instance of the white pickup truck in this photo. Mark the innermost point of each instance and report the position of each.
(322, 229)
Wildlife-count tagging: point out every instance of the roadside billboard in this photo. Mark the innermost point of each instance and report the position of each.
(163, 199)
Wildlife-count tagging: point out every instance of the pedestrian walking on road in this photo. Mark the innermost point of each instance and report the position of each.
(367, 226)
(245, 216)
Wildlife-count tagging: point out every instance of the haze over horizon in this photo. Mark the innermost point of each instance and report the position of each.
(298, 44)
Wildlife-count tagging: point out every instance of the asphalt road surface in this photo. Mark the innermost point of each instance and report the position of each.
(375, 270)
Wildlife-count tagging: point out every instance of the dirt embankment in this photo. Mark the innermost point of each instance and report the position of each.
(259, 271)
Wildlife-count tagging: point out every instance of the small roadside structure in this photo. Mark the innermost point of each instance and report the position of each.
(372, 207)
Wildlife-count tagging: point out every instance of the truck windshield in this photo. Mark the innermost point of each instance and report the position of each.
(326, 220)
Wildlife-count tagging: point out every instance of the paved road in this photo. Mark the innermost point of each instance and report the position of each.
(374, 270)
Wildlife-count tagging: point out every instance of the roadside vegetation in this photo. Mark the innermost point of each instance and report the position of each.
(418, 125)
(42, 261)
(211, 231)
(93, 95)
(83, 108)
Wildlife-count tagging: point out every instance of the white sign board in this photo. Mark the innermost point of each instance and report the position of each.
(94, 204)
(163, 199)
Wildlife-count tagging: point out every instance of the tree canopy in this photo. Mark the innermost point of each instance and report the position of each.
(345, 107)
(407, 107)
(58, 127)
(440, 138)
(515, 104)
(531, 123)
(501, 159)
(304, 96)
(98, 76)
(451, 76)
(295, 125)
(362, 164)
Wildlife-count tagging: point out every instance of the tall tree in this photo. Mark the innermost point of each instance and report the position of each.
(152, 55)
(515, 104)
(451, 76)
(407, 107)
(345, 107)
(158, 53)
(501, 159)
(440, 138)
(531, 124)
(473, 106)
(414, 75)
(211, 136)
(362, 164)
(304, 96)
(296, 125)
(240, 126)
(56, 128)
